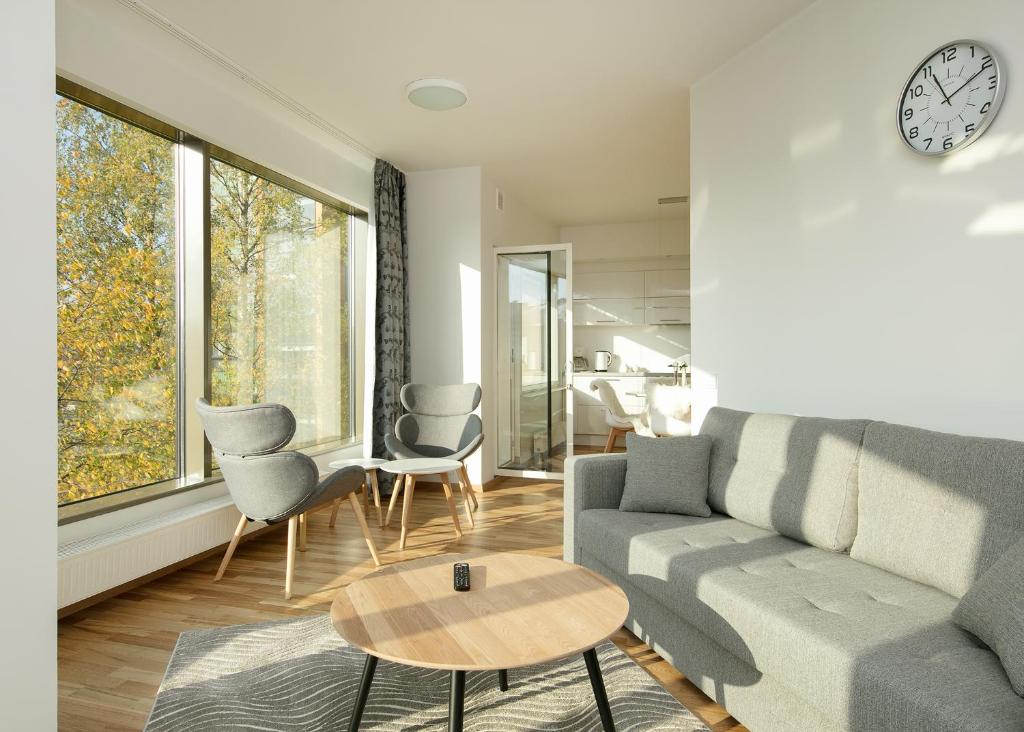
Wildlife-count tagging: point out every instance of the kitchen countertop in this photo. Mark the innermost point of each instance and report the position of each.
(637, 374)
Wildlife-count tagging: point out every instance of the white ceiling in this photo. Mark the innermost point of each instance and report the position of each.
(578, 108)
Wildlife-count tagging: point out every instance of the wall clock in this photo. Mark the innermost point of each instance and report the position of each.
(951, 98)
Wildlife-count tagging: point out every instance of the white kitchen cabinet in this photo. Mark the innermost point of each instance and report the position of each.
(607, 285)
(667, 311)
(608, 312)
(667, 283)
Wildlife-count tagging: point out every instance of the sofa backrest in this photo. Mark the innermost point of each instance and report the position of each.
(937, 508)
(793, 475)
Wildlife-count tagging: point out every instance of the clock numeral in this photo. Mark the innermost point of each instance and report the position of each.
(913, 132)
(972, 51)
(947, 143)
(992, 82)
(908, 113)
(949, 54)
(987, 62)
(985, 107)
(928, 142)
(969, 128)
(916, 91)
(927, 71)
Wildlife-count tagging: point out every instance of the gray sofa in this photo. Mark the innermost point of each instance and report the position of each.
(819, 593)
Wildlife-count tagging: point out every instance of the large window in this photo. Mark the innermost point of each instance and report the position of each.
(272, 282)
(279, 305)
(117, 327)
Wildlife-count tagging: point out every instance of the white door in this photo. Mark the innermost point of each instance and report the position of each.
(533, 328)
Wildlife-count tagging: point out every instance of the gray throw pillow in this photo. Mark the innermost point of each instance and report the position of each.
(993, 610)
(667, 475)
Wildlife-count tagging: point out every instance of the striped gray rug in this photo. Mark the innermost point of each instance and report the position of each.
(299, 675)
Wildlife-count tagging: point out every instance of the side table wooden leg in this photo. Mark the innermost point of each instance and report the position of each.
(399, 482)
(410, 487)
(376, 496)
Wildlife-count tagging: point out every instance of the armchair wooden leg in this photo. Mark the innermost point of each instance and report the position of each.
(469, 485)
(395, 490)
(361, 518)
(231, 547)
(302, 532)
(293, 530)
(410, 487)
(376, 496)
(465, 501)
(334, 513)
(365, 488)
(451, 505)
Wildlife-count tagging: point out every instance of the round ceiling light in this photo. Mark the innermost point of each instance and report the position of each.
(437, 95)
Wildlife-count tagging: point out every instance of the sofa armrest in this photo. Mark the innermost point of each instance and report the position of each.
(591, 481)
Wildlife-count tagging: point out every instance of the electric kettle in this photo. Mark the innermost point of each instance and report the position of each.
(602, 360)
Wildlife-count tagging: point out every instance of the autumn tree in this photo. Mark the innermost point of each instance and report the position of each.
(278, 325)
(116, 344)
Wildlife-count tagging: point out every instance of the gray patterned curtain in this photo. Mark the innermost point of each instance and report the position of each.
(393, 367)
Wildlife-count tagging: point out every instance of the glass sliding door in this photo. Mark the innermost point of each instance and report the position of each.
(534, 343)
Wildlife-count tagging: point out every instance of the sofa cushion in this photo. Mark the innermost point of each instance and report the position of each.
(667, 475)
(869, 648)
(935, 507)
(993, 610)
(793, 475)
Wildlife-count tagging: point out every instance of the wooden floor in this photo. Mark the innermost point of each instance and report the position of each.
(111, 656)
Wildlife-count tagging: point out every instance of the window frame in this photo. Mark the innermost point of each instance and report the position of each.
(192, 309)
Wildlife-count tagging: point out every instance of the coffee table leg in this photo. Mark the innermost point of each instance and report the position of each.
(456, 700)
(594, 670)
(503, 680)
(364, 691)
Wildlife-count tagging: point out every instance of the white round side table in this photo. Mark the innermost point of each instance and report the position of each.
(370, 466)
(411, 469)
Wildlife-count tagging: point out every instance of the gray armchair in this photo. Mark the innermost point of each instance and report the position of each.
(271, 486)
(439, 423)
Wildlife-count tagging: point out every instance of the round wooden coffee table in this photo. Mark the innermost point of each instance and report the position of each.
(522, 610)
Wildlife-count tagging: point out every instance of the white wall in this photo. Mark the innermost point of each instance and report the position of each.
(836, 273)
(112, 49)
(445, 280)
(453, 227)
(28, 541)
(654, 238)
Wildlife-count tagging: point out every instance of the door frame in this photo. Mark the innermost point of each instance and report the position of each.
(568, 371)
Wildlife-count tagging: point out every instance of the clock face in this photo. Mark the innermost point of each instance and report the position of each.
(950, 98)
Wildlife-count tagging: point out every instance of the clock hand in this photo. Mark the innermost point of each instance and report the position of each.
(968, 81)
(939, 87)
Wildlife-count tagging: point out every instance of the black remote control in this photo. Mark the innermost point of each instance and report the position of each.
(461, 576)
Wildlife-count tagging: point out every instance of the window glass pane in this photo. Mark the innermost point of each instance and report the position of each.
(279, 304)
(117, 325)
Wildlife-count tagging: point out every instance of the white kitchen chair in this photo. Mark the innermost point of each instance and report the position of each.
(619, 421)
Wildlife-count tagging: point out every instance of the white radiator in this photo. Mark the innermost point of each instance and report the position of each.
(87, 567)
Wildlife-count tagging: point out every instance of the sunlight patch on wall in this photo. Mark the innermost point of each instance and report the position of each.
(823, 219)
(989, 148)
(469, 285)
(815, 139)
(1000, 219)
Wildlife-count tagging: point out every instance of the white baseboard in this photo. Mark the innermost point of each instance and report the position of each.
(92, 565)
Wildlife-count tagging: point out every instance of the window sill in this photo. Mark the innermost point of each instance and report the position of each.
(101, 505)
